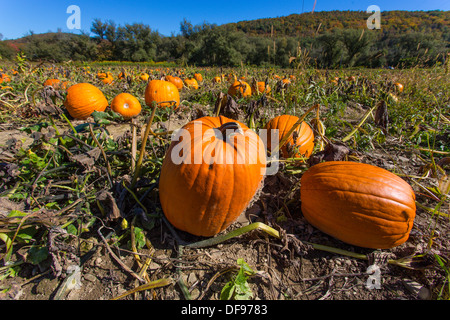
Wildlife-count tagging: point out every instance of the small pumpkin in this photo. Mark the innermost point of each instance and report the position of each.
(191, 83)
(260, 87)
(358, 203)
(304, 136)
(399, 87)
(175, 80)
(217, 79)
(56, 83)
(122, 75)
(204, 195)
(163, 93)
(4, 78)
(84, 98)
(101, 75)
(240, 88)
(198, 77)
(144, 76)
(126, 104)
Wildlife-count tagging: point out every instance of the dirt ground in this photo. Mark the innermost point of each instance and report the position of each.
(286, 269)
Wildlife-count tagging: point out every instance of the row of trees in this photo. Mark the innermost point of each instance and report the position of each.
(230, 45)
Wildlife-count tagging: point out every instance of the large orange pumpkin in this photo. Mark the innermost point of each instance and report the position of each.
(163, 93)
(304, 142)
(126, 104)
(208, 176)
(360, 204)
(84, 98)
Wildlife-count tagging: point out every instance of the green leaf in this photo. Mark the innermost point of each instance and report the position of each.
(37, 254)
(106, 117)
(238, 288)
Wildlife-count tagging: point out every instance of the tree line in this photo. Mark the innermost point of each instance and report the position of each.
(337, 42)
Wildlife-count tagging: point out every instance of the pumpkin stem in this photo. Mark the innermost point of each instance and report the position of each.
(226, 128)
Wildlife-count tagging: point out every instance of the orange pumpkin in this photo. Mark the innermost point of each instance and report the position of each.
(217, 80)
(176, 81)
(56, 83)
(107, 78)
(126, 104)
(122, 75)
(398, 87)
(207, 182)
(163, 93)
(101, 75)
(240, 88)
(191, 83)
(144, 77)
(82, 99)
(198, 77)
(260, 87)
(304, 143)
(357, 203)
(4, 78)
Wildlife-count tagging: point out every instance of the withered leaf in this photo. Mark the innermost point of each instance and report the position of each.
(331, 152)
(109, 203)
(87, 159)
(226, 106)
(381, 116)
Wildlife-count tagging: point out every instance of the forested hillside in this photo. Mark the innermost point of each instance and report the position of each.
(321, 39)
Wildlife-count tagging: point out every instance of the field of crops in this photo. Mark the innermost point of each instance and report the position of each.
(80, 212)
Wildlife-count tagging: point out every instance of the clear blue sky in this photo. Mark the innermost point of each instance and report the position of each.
(18, 17)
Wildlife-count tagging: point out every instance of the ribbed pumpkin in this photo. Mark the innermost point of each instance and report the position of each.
(360, 204)
(163, 93)
(217, 180)
(240, 88)
(126, 104)
(304, 142)
(176, 81)
(84, 98)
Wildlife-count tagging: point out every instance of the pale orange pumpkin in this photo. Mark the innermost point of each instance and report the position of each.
(84, 98)
(144, 77)
(191, 83)
(126, 104)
